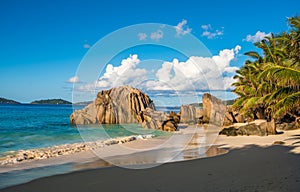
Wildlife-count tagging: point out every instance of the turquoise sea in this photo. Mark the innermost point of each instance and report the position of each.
(28, 126)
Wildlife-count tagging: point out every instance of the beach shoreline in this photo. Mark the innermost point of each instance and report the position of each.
(120, 146)
(221, 141)
(28, 155)
(264, 166)
(89, 161)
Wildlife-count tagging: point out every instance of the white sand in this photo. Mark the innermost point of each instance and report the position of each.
(290, 138)
(189, 143)
(252, 164)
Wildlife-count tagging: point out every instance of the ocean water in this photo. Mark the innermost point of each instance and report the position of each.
(29, 126)
(36, 126)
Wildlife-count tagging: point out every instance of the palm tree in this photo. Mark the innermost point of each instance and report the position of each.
(270, 85)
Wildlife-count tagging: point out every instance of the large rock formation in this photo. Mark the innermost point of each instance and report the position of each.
(232, 116)
(152, 119)
(190, 114)
(213, 111)
(87, 115)
(124, 105)
(171, 122)
(115, 106)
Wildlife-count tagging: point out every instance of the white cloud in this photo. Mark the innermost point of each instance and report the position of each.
(206, 27)
(237, 49)
(164, 73)
(157, 35)
(74, 79)
(182, 28)
(257, 37)
(225, 57)
(198, 73)
(142, 36)
(228, 82)
(210, 33)
(125, 74)
(86, 46)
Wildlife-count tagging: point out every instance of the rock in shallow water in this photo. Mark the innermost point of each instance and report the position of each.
(114, 106)
(124, 105)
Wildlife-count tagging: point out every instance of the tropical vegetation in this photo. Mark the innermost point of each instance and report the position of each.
(268, 85)
(52, 102)
(7, 101)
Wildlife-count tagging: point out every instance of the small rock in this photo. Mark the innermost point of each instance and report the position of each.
(278, 143)
(230, 131)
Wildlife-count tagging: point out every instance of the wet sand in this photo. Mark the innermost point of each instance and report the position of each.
(252, 164)
(189, 143)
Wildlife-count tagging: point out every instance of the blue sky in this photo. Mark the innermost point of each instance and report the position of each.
(43, 42)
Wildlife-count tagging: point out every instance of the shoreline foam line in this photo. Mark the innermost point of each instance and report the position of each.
(65, 149)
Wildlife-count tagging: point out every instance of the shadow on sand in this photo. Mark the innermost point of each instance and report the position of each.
(251, 168)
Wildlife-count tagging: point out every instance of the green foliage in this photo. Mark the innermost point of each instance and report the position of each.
(52, 102)
(7, 101)
(272, 82)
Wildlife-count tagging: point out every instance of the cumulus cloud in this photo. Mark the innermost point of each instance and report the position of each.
(74, 79)
(210, 33)
(157, 35)
(182, 28)
(142, 36)
(257, 37)
(197, 73)
(125, 74)
(225, 57)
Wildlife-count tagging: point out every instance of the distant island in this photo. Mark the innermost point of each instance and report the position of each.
(8, 101)
(225, 102)
(83, 103)
(52, 102)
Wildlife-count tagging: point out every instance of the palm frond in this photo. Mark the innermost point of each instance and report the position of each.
(286, 104)
(250, 103)
(284, 75)
(253, 54)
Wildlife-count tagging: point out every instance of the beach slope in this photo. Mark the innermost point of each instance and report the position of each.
(247, 167)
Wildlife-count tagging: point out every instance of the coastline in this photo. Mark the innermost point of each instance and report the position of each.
(88, 161)
(139, 153)
(29, 155)
(108, 148)
(247, 167)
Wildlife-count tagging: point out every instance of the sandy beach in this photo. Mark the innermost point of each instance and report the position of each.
(252, 163)
(189, 143)
(151, 96)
